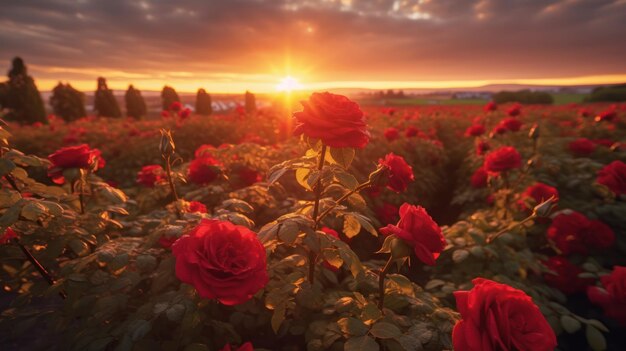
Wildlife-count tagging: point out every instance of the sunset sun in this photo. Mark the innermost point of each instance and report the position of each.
(288, 84)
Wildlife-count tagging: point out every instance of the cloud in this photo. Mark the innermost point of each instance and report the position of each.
(324, 40)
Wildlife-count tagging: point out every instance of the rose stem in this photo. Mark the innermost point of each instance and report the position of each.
(498, 234)
(341, 199)
(381, 282)
(81, 197)
(316, 208)
(44, 273)
(168, 171)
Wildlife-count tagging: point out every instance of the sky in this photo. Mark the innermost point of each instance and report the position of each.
(236, 45)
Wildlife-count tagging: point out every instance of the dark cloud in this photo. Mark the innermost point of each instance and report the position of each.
(334, 40)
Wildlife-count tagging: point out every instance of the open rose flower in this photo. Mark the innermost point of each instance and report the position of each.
(7, 236)
(400, 173)
(511, 124)
(499, 317)
(204, 170)
(475, 130)
(479, 178)
(245, 347)
(613, 176)
(503, 159)
(420, 231)
(490, 106)
(203, 150)
(574, 233)
(391, 134)
(582, 147)
(80, 156)
(515, 110)
(334, 119)
(536, 194)
(565, 277)
(482, 147)
(222, 261)
(149, 175)
(612, 295)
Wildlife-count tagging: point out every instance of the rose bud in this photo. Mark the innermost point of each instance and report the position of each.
(167, 146)
(544, 209)
(534, 132)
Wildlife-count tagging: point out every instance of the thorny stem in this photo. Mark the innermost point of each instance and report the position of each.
(168, 172)
(44, 273)
(316, 208)
(381, 282)
(498, 234)
(340, 200)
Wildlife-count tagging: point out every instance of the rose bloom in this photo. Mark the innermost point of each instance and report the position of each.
(479, 178)
(149, 175)
(80, 156)
(186, 112)
(575, 234)
(490, 106)
(612, 295)
(499, 129)
(7, 236)
(222, 261)
(420, 231)
(475, 130)
(400, 173)
(514, 110)
(391, 134)
(204, 170)
(203, 150)
(503, 159)
(245, 347)
(608, 115)
(196, 207)
(582, 147)
(512, 124)
(613, 176)
(482, 147)
(538, 192)
(334, 119)
(166, 242)
(566, 278)
(499, 317)
(411, 132)
(176, 106)
(246, 176)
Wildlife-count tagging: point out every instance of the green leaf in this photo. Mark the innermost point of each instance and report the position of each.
(352, 326)
(341, 156)
(274, 176)
(384, 330)
(301, 177)
(570, 324)
(595, 339)
(175, 313)
(288, 232)
(278, 317)
(351, 226)
(79, 247)
(459, 256)
(6, 167)
(347, 180)
(433, 284)
(361, 343)
(333, 257)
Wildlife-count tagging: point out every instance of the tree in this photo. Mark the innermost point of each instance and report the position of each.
(250, 102)
(67, 102)
(523, 97)
(203, 103)
(615, 93)
(135, 104)
(21, 97)
(168, 97)
(105, 103)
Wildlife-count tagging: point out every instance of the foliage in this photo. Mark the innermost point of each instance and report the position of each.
(135, 104)
(20, 96)
(67, 102)
(203, 103)
(105, 104)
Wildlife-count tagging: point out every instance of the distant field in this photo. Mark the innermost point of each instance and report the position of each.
(559, 99)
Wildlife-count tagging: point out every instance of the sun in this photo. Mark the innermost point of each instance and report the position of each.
(288, 84)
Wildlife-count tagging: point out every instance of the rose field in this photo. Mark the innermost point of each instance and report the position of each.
(338, 226)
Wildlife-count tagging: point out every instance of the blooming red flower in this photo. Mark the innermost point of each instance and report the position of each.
(176, 106)
(222, 261)
(7, 236)
(503, 159)
(511, 124)
(411, 132)
(607, 115)
(197, 207)
(538, 192)
(582, 147)
(203, 150)
(475, 130)
(334, 119)
(479, 178)
(584, 112)
(574, 233)
(499, 317)
(165, 114)
(204, 170)
(515, 110)
(499, 129)
(186, 112)
(245, 347)
(565, 277)
(391, 134)
(387, 213)
(400, 173)
(490, 106)
(482, 147)
(613, 176)
(167, 241)
(612, 295)
(150, 175)
(80, 156)
(420, 231)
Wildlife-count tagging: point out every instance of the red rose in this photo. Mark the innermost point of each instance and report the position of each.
(566, 275)
(149, 175)
(197, 207)
(584, 112)
(490, 106)
(514, 110)
(612, 295)
(204, 170)
(498, 317)
(222, 261)
(499, 129)
(7, 236)
(391, 134)
(503, 159)
(245, 347)
(80, 156)
(512, 124)
(479, 178)
(575, 234)
(539, 192)
(165, 114)
(203, 150)
(184, 113)
(334, 119)
(387, 213)
(176, 106)
(603, 142)
(411, 132)
(400, 173)
(475, 130)
(482, 147)
(613, 176)
(419, 230)
(167, 241)
(607, 115)
(582, 147)
(246, 176)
